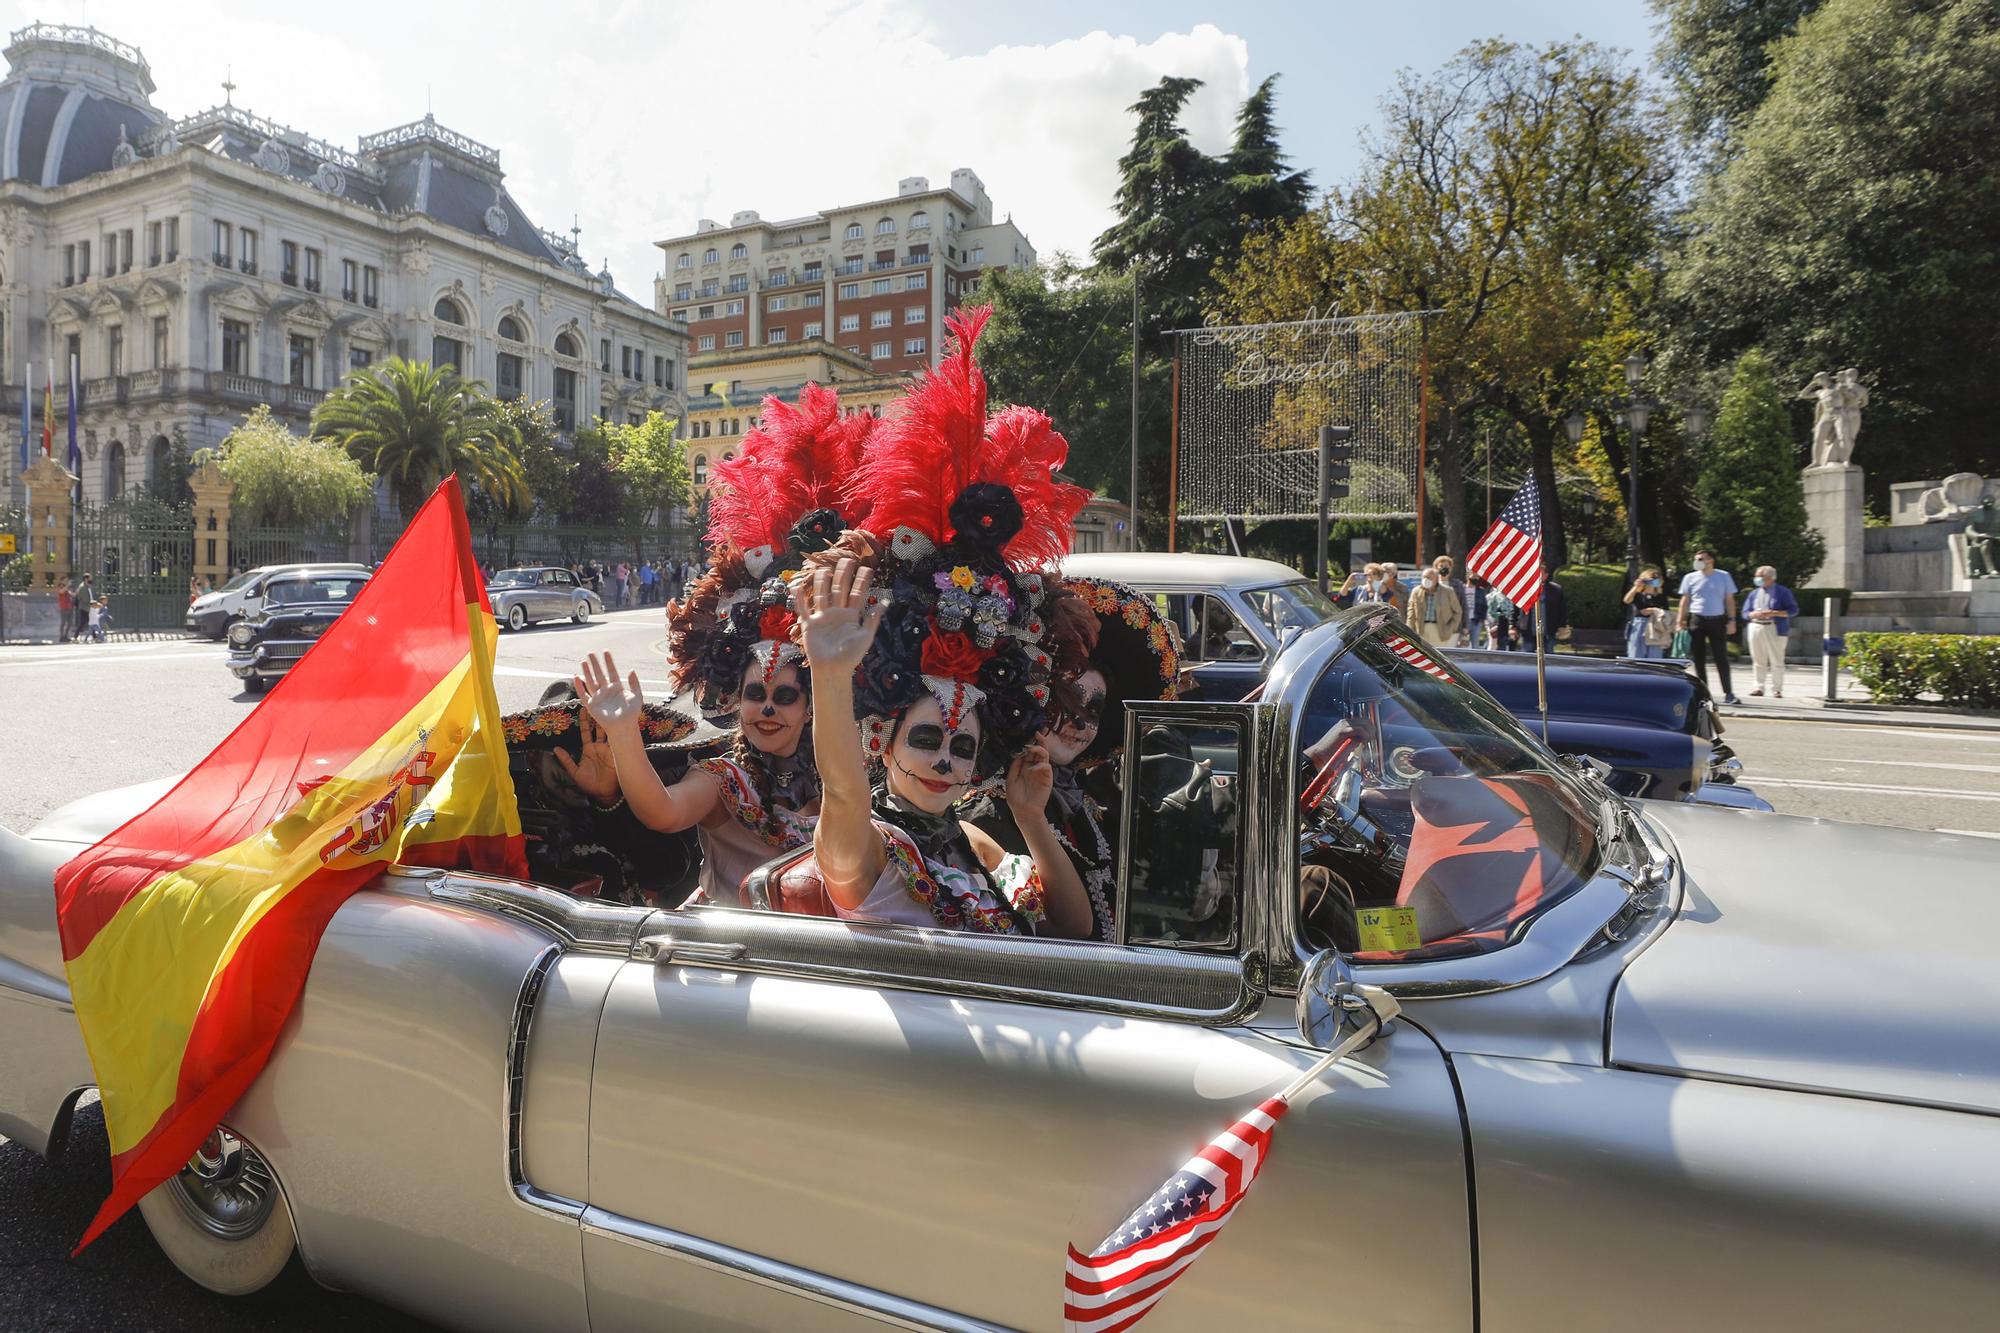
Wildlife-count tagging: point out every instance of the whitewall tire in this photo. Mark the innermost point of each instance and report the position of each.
(223, 1221)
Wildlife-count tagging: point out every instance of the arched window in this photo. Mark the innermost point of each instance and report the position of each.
(709, 257)
(739, 251)
(159, 456)
(510, 329)
(919, 219)
(567, 345)
(854, 231)
(730, 456)
(684, 261)
(114, 471)
(700, 472)
(886, 227)
(447, 311)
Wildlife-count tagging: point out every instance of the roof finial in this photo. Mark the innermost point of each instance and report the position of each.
(576, 233)
(228, 86)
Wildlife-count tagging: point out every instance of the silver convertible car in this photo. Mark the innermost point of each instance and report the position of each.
(520, 597)
(1659, 1066)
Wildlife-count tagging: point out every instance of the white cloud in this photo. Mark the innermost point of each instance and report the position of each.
(639, 118)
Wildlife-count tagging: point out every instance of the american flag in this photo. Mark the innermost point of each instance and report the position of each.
(1114, 1286)
(1510, 554)
(1417, 657)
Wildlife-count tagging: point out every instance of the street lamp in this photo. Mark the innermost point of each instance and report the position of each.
(1635, 370)
(1573, 425)
(1696, 420)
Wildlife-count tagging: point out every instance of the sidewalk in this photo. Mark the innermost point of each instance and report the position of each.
(1805, 700)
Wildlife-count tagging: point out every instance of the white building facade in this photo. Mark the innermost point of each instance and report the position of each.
(197, 268)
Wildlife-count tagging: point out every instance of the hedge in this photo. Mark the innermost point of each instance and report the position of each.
(1594, 595)
(1961, 669)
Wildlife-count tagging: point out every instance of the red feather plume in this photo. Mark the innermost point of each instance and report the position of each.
(800, 458)
(941, 441)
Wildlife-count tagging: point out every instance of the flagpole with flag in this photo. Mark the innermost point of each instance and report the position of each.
(27, 414)
(1510, 557)
(188, 932)
(75, 454)
(49, 412)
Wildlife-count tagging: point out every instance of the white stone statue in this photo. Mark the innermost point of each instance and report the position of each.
(1838, 400)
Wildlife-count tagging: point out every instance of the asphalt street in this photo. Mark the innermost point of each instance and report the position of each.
(80, 719)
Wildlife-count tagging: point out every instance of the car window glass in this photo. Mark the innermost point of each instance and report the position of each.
(1432, 825)
(1184, 872)
(1289, 608)
(562, 577)
(239, 581)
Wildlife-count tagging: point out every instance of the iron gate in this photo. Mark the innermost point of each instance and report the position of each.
(139, 553)
(250, 547)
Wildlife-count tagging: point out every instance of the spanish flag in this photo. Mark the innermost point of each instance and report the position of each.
(188, 932)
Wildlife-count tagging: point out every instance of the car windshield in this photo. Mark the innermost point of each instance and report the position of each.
(240, 580)
(325, 588)
(1289, 608)
(1432, 825)
(513, 578)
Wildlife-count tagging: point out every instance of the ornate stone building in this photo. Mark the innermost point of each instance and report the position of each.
(199, 267)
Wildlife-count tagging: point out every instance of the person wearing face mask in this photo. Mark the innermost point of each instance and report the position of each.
(1768, 610)
(1436, 613)
(1390, 588)
(1646, 632)
(925, 626)
(1109, 645)
(1708, 613)
(732, 641)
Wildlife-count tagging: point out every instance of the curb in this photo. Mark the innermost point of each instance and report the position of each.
(1870, 714)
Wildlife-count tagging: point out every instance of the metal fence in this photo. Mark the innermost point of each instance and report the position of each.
(139, 554)
(250, 547)
(508, 544)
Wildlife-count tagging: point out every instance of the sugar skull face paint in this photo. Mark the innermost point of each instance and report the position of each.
(1072, 736)
(773, 714)
(931, 766)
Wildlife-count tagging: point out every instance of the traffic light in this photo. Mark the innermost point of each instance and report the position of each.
(1336, 455)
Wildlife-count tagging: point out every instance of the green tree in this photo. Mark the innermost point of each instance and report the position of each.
(283, 479)
(1858, 224)
(1717, 55)
(413, 423)
(651, 466)
(545, 467)
(1748, 493)
(596, 496)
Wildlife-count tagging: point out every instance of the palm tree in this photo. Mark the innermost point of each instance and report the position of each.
(411, 423)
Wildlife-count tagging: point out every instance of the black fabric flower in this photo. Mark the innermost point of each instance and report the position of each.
(985, 517)
(816, 531)
(886, 684)
(1002, 671)
(744, 615)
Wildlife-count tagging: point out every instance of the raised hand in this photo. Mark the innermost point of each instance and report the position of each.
(835, 618)
(1029, 779)
(596, 774)
(614, 703)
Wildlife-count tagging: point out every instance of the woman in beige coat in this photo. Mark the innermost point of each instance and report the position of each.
(1436, 611)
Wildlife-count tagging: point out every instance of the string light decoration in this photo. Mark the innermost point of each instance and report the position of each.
(1253, 397)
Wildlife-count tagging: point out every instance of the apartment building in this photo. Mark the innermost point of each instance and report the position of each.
(726, 392)
(875, 279)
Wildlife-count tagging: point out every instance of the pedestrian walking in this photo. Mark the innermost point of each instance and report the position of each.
(1708, 613)
(1436, 613)
(1648, 627)
(65, 611)
(86, 596)
(1768, 609)
(98, 613)
(1502, 620)
(1476, 599)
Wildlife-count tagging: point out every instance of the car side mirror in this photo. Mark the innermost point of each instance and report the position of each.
(1333, 1006)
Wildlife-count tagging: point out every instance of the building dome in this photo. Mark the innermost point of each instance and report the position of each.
(70, 96)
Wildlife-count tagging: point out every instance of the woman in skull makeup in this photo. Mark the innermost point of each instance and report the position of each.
(732, 640)
(926, 625)
(1109, 644)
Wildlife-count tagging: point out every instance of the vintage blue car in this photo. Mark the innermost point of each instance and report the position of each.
(1651, 722)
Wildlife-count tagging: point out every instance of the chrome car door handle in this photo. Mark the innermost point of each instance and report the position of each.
(665, 949)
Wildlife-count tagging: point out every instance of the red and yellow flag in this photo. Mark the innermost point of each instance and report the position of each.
(189, 931)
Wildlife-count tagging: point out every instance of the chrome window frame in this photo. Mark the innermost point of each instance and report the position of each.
(1548, 942)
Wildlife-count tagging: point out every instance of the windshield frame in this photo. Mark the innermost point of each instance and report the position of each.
(356, 577)
(530, 577)
(1549, 941)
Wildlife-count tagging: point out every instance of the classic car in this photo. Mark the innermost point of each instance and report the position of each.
(1659, 1066)
(296, 608)
(211, 614)
(1652, 722)
(523, 596)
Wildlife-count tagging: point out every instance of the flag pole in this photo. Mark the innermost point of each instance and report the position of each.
(1377, 1020)
(1541, 671)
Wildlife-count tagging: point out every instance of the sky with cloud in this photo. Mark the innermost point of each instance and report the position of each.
(637, 117)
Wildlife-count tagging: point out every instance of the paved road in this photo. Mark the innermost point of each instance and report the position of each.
(82, 719)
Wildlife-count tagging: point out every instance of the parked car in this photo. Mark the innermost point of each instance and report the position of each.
(1652, 722)
(297, 608)
(211, 614)
(540, 592)
(1665, 1066)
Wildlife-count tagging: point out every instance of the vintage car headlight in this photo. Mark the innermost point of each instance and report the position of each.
(242, 636)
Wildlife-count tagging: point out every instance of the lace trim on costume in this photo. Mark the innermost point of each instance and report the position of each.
(1095, 868)
(777, 826)
(965, 907)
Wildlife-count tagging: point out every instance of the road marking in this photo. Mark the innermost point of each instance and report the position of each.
(1967, 832)
(212, 655)
(1760, 780)
(1947, 734)
(1909, 763)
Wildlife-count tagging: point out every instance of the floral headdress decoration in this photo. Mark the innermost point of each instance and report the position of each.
(964, 514)
(775, 503)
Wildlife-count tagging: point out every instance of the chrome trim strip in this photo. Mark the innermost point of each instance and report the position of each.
(514, 1084)
(849, 1297)
(576, 924)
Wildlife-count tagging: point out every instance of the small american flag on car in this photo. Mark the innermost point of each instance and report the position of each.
(1418, 658)
(1114, 1286)
(1510, 554)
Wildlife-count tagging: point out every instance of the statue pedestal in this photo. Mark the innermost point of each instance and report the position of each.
(1833, 508)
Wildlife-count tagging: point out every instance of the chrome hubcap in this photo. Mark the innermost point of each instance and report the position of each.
(226, 1189)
